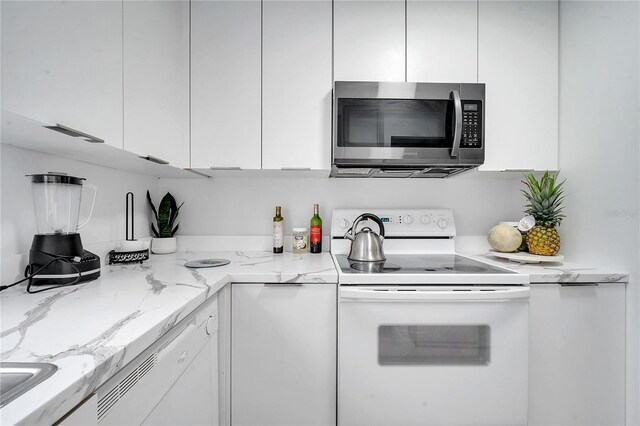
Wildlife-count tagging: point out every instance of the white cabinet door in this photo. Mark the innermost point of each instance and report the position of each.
(156, 79)
(577, 355)
(283, 354)
(296, 93)
(225, 84)
(442, 41)
(369, 40)
(518, 61)
(62, 63)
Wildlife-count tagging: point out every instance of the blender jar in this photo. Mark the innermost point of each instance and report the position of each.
(56, 202)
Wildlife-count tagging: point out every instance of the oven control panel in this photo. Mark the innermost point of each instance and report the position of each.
(471, 124)
(405, 223)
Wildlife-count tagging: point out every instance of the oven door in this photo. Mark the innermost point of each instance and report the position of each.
(433, 355)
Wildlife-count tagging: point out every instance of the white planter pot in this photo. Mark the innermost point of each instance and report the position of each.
(164, 245)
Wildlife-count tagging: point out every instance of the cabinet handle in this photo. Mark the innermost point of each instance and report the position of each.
(154, 159)
(578, 284)
(196, 172)
(225, 168)
(74, 133)
(284, 284)
(295, 169)
(518, 170)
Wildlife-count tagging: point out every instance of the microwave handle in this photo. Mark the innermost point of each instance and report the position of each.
(457, 117)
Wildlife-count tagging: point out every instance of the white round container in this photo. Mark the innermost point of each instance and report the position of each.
(299, 240)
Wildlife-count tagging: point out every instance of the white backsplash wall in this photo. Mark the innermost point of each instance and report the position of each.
(108, 220)
(599, 150)
(246, 206)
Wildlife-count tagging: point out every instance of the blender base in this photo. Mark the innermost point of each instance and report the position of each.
(66, 261)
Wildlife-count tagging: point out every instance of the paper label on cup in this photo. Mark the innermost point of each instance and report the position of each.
(526, 223)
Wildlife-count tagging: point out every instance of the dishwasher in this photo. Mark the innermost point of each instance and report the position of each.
(174, 381)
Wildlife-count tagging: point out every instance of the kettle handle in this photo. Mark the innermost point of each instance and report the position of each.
(364, 216)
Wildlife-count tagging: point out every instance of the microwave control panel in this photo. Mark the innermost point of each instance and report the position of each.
(471, 124)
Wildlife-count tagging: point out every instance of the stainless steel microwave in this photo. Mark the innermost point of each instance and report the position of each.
(388, 129)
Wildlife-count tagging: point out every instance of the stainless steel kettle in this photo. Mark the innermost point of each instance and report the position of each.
(366, 245)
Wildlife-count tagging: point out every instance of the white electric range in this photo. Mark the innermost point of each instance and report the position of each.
(431, 337)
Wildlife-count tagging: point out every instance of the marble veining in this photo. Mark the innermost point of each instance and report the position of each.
(557, 272)
(92, 330)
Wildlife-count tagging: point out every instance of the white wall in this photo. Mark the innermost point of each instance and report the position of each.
(246, 206)
(108, 219)
(599, 149)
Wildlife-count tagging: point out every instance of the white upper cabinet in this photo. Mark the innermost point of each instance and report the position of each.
(225, 84)
(518, 61)
(156, 80)
(442, 41)
(62, 64)
(369, 40)
(296, 92)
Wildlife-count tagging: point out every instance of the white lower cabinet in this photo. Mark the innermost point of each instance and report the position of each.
(283, 354)
(577, 354)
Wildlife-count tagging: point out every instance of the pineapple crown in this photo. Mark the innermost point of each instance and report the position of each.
(544, 199)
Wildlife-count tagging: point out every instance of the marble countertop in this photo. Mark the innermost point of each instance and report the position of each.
(90, 331)
(553, 272)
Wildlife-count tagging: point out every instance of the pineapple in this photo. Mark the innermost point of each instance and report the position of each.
(544, 203)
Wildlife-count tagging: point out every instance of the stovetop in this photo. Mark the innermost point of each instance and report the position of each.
(420, 248)
(419, 264)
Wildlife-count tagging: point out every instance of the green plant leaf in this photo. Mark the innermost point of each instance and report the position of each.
(164, 216)
(153, 208)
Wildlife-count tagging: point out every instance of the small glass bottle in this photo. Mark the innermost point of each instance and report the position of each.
(278, 231)
(315, 233)
(299, 240)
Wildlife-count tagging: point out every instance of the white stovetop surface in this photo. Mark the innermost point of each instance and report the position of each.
(92, 330)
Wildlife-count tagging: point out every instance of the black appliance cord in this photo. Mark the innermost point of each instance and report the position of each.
(29, 276)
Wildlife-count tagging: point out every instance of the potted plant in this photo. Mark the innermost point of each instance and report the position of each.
(165, 217)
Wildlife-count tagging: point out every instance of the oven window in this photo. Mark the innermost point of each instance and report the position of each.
(394, 123)
(434, 344)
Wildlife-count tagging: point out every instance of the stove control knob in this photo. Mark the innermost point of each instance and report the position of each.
(344, 223)
(425, 219)
(408, 219)
(442, 223)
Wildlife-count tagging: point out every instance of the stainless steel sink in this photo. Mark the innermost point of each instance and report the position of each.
(18, 377)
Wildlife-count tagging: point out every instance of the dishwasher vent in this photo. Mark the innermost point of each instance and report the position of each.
(109, 399)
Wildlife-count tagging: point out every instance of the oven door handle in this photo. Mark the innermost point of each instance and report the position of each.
(457, 122)
(381, 295)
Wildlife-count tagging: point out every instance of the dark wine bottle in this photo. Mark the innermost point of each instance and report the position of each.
(278, 232)
(315, 233)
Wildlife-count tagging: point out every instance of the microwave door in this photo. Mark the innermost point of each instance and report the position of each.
(389, 130)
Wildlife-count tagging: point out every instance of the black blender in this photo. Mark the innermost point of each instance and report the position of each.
(57, 257)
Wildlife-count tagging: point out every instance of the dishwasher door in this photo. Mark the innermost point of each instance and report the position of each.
(173, 382)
